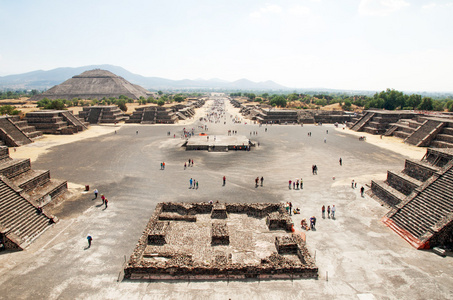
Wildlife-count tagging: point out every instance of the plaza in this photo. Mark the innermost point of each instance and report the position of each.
(358, 257)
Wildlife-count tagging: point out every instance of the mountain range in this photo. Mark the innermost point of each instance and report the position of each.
(43, 80)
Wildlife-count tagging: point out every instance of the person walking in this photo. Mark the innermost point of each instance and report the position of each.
(328, 211)
(362, 190)
(96, 193)
(341, 161)
(323, 210)
(289, 184)
(163, 165)
(190, 181)
(224, 180)
(262, 179)
(103, 198)
(352, 183)
(333, 211)
(106, 203)
(196, 182)
(256, 181)
(89, 238)
(290, 208)
(185, 166)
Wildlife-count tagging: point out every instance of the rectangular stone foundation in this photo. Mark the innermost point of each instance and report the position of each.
(240, 246)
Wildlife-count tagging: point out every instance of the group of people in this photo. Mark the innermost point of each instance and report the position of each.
(314, 169)
(189, 164)
(257, 180)
(290, 210)
(296, 183)
(104, 200)
(162, 165)
(193, 184)
(305, 225)
(330, 211)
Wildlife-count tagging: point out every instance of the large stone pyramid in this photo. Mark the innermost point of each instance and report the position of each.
(94, 84)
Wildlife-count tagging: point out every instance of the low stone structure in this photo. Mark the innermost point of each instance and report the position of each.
(15, 132)
(218, 143)
(239, 246)
(421, 199)
(55, 121)
(102, 114)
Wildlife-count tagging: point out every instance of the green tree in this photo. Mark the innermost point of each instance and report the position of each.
(178, 98)
(122, 105)
(160, 102)
(414, 101)
(278, 101)
(426, 104)
(8, 110)
(160, 93)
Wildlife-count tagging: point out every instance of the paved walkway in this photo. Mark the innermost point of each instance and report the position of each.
(358, 257)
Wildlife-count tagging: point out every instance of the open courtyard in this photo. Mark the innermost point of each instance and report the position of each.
(357, 255)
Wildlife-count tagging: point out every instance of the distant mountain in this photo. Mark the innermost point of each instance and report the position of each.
(43, 80)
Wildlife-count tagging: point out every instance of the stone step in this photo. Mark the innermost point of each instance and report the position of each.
(14, 167)
(441, 144)
(31, 179)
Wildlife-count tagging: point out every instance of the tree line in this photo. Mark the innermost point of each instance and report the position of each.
(389, 99)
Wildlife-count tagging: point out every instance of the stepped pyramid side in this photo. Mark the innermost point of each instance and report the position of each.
(94, 84)
(421, 198)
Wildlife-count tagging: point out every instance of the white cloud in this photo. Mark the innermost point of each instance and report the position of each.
(267, 9)
(380, 7)
(299, 10)
(429, 6)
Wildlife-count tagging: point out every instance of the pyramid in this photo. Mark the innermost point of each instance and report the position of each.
(94, 84)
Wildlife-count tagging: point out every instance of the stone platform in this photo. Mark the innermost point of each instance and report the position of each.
(241, 246)
(222, 143)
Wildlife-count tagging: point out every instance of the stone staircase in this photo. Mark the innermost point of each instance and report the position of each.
(425, 133)
(20, 221)
(363, 121)
(11, 134)
(423, 210)
(94, 115)
(36, 185)
(74, 121)
(444, 139)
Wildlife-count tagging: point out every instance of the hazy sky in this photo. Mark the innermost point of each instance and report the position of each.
(342, 44)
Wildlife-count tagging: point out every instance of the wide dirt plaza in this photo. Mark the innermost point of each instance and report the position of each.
(358, 257)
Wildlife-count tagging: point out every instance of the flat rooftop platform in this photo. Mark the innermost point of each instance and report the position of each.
(217, 142)
(191, 241)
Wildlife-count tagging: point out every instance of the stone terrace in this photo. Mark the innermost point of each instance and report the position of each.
(244, 244)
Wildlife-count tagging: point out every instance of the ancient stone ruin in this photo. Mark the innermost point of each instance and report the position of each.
(421, 199)
(102, 114)
(414, 128)
(220, 241)
(94, 84)
(55, 121)
(25, 193)
(15, 132)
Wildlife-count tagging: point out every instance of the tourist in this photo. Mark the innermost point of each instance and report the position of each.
(192, 162)
(323, 210)
(352, 183)
(136, 132)
(224, 180)
(294, 185)
(103, 198)
(163, 166)
(289, 184)
(290, 208)
(190, 181)
(362, 190)
(301, 184)
(297, 184)
(341, 162)
(196, 182)
(262, 179)
(256, 181)
(96, 193)
(185, 166)
(355, 185)
(325, 140)
(89, 238)
(106, 202)
(328, 211)
(333, 211)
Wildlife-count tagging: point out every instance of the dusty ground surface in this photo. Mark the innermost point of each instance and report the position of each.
(358, 257)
